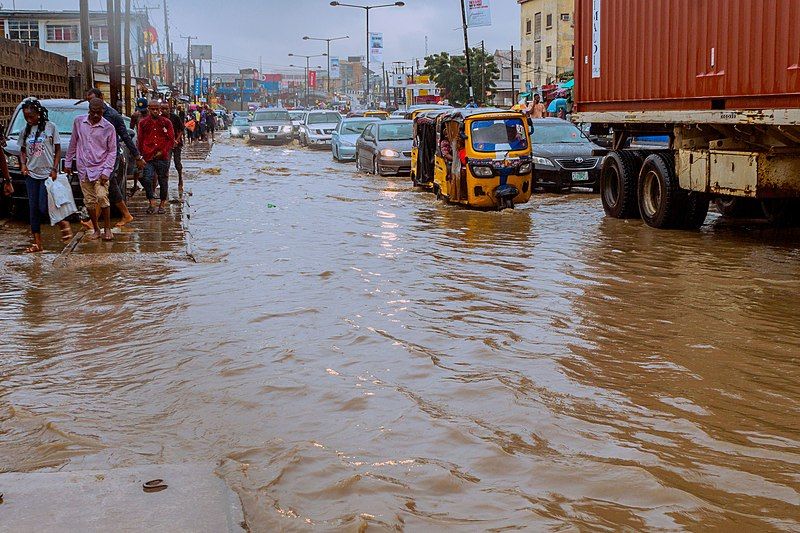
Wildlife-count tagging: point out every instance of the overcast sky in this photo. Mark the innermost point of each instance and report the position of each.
(244, 30)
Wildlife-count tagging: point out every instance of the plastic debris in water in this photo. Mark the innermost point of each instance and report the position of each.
(271, 205)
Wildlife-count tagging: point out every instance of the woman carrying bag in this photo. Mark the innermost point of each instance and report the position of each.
(40, 155)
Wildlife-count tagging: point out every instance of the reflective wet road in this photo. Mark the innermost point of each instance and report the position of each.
(354, 354)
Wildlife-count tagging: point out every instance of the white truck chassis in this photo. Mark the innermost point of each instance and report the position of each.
(737, 157)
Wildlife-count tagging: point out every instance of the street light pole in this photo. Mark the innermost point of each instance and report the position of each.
(308, 58)
(328, 41)
(367, 10)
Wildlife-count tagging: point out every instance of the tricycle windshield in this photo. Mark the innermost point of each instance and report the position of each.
(495, 135)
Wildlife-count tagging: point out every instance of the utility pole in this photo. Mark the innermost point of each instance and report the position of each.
(188, 60)
(86, 51)
(513, 89)
(128, 57)
(483, 72)
(466, 49)
(169, 73)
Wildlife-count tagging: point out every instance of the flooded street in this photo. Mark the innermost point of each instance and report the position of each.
(353, 353)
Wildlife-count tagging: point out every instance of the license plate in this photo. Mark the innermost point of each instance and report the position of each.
(270, 136)
(580, 176)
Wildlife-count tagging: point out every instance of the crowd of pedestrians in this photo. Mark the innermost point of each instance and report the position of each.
(94, 155)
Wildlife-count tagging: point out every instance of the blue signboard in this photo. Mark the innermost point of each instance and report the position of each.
(197, 86)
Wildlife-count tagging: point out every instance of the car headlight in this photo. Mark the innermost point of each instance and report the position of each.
(254, 129)
(482, 172)
(542, 161)
(286, 129)
(13, 161)
(388, 152)
(525, 168)
(347, 143)
(235, 131)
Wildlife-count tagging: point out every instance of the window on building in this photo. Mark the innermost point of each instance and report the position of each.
(537, 54)
(528, 54)
(565, 17)
(24, 31)
(527, 26)
(100, 34)
(62, 33)
(537, 26)
(549, 20)
(572, 53)
(549, 53)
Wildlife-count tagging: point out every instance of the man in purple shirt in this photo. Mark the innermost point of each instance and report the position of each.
(93, 148)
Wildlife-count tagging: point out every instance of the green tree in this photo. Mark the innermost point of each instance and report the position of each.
(449, 73)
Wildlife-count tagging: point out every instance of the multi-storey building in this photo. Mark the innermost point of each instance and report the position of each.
(547, 41)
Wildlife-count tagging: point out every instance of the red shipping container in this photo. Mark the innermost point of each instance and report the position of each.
(686, 54)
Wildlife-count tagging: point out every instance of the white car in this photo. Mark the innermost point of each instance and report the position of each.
(318, 127)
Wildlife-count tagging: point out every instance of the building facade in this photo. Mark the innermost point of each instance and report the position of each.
(547, 41)
(507, 87)
(59, 32)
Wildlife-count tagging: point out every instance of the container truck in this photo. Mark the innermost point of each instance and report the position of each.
(720, 78)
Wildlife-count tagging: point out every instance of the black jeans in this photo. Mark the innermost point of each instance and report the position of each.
(156, 169)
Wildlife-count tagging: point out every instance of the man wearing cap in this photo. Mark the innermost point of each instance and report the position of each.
(117, 187)
(156, 139)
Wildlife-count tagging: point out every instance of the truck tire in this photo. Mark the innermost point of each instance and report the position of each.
(784, 212)
(695, 210)
(618, 179)
(738, 207)
(661, 203)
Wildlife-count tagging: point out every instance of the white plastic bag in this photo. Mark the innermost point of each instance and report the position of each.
(60, 202)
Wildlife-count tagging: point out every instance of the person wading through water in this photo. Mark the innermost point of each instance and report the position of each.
(156, 139)
(178, 128)
(40, 155)
(116, 190)
(93, 147)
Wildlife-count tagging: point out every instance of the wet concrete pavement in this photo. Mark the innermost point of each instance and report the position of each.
(352, 353)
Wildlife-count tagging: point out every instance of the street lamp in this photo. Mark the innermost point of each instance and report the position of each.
(308, 58)
(307, 38)
(367, 10)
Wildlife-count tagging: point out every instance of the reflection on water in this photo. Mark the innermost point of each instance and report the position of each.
(352, 352)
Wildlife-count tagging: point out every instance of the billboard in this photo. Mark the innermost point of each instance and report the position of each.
(201, 51)
(480, 14)
(376, 47)
(312, 79)
(398, 80)
(335, 70)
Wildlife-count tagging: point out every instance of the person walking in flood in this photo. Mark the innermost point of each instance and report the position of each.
(117, 186)
(93, 147)
(40, 156)
(156, 139)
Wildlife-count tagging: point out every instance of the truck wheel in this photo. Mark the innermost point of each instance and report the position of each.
(784, 212)
(618, 179)
(738, 207)
(660, 201)
(695, 210)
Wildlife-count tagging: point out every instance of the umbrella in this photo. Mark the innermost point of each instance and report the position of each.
(557, 104)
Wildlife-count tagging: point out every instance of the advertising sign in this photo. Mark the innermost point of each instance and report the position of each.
(335, 71)
(312, 79)
(201, 51)
(596, 39)
(197, 86)
(480, 14)
(398, 80)
(376, 47)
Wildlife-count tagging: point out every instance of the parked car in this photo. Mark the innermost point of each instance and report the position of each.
(61, 112)
(318, 127)
(240, 127)
(562, 156)
(270, 126)
(345, 136)
(385, 147)
(297, 116)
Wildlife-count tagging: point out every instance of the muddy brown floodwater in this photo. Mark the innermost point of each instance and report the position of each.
(354, 354)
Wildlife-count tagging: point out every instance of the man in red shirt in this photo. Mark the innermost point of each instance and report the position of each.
(155, 138)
